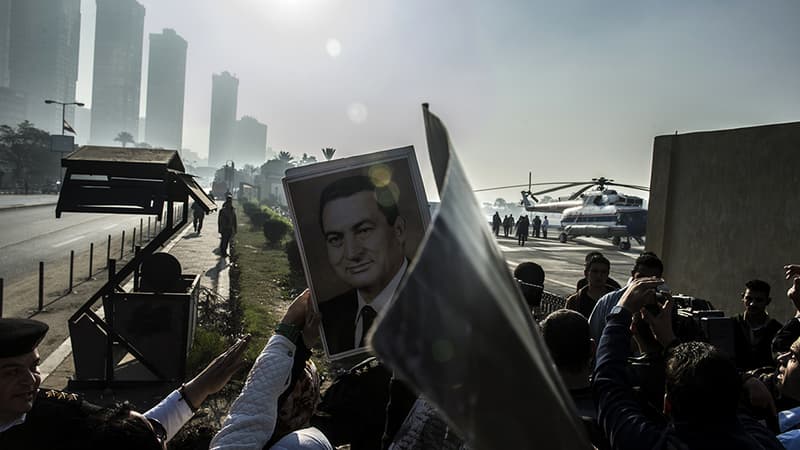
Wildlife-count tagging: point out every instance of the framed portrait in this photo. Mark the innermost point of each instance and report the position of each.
(358, 223)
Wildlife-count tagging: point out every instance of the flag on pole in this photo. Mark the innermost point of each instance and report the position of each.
(68, 127)
(462, 335)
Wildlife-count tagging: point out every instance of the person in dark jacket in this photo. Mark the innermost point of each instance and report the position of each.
(702, 387)
(754, 328)
(227, 225)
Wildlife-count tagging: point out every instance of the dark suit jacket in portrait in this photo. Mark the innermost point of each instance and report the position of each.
(339, 321)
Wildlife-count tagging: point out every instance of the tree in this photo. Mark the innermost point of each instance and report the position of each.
(124, 138)
(25, 150)
(285, 157)
(328, 152)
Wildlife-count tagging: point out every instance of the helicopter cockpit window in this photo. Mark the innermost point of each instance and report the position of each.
(598, 200)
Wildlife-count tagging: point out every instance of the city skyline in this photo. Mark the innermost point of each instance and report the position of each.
(567, 90)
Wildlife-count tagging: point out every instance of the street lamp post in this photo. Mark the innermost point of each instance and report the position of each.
(63, 110)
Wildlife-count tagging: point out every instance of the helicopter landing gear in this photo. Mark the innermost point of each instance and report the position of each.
(615, 241)
(625, 245)
(562, 237)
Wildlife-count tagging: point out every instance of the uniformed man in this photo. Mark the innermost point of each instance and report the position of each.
(33, 418)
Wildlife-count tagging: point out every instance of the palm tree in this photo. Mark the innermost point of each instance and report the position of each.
(328, 152)
(286, 157)
(124, 138)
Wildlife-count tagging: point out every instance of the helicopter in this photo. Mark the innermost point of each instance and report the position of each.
(593, 210)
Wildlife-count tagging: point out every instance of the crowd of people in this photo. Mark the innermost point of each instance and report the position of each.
(522, 228)
(640, 371)
(643, 375)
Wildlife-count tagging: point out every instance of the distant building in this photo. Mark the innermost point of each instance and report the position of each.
(140, 124)
(14, 108)
(82, 125)
(224, 93)
(117, 69)
(5, 34)
(250, 142)
(166, 81)
(39, 41)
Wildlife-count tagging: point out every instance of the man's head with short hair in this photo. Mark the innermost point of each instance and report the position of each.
(702, 384)
(19, 366)
(596, 270)
(568, 338)
(755, 297)
(647, 265)
(530, 277)
(364, 232)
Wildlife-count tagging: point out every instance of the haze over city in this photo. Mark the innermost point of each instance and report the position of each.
(569, 91)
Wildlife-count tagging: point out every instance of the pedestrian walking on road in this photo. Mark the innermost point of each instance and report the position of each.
(545, 224)
(537, 224)
(496, 224)
(227, 225)
(522, 229)
(198, 214)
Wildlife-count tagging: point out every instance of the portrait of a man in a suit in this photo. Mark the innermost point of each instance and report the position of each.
(364, 237)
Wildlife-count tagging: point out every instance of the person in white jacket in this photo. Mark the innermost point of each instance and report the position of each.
(251, 421)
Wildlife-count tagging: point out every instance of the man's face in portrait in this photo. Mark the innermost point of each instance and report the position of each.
(364, 249)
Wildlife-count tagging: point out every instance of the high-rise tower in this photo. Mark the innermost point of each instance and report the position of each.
(117, 78)
(42, 55)
(224, 93)
(166, 81)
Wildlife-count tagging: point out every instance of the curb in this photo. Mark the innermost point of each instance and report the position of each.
(23, 205)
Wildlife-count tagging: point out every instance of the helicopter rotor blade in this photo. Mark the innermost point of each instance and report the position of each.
(581, 191)
(557, 188)
(632, 186)
(498, 188)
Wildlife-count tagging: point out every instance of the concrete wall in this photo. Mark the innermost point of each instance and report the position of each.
(725, 208)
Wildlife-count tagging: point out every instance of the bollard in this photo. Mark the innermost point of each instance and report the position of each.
(122, 245)
(1, 297)
(41, 285)
(141, 223)
(133, 240)
(136, 270)
(108, 250)
(112, 268)
(71, 269)
(91, 258)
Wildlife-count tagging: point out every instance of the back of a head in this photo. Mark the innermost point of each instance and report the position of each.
(568, 338)
(530, 277)
(116, 428)
(702, 384)
(649, 263)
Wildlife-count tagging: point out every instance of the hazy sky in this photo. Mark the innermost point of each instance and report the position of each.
(567, 89)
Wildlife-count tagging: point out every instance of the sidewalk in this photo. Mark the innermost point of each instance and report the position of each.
(10, 201)
(197, 254)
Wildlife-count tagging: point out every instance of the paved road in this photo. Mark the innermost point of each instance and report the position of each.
(32, 234)
(563, 263)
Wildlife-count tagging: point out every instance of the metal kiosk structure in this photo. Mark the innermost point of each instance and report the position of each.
(154, 328)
